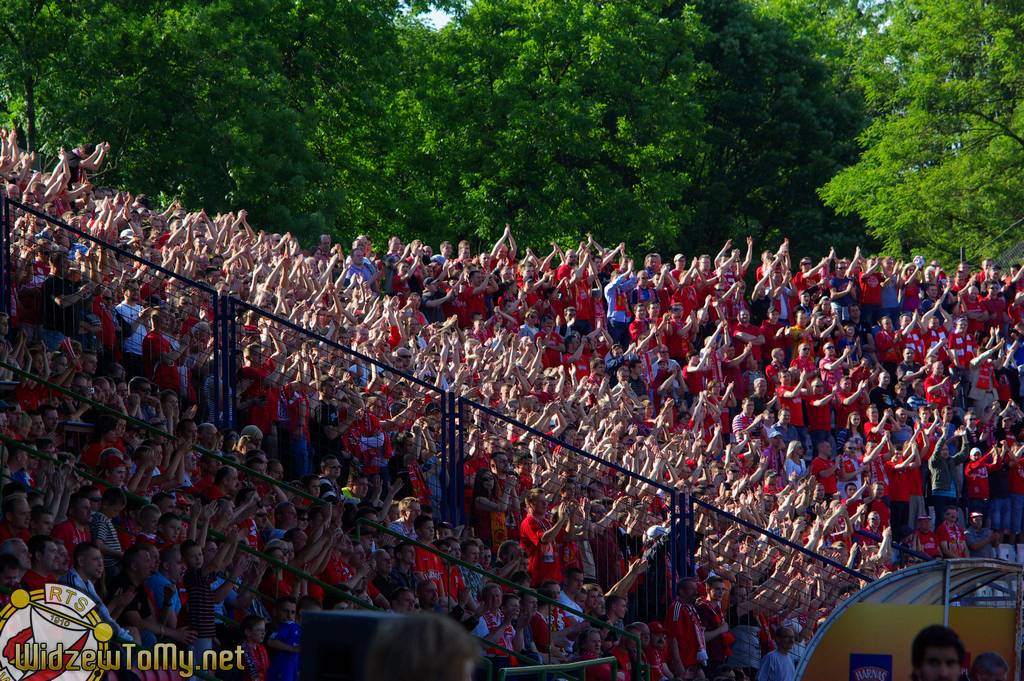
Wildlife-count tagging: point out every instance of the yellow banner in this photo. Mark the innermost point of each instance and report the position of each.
(877, 638)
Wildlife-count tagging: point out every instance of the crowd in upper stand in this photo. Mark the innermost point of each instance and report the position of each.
(845, 404)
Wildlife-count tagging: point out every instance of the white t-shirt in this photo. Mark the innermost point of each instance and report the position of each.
(129, 313)
(776, 666)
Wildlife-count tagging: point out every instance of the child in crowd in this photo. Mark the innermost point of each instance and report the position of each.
(284, 642)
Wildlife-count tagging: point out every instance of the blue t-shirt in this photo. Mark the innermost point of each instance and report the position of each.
(285, 666)
(840, 283)
(157, 583)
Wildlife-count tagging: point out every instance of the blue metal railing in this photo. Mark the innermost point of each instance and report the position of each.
(218, 409)
(678, 536)
(453, 408)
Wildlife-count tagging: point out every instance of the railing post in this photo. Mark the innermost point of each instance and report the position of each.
(230, 362)
(675, 540)
(691, 536)
(446, 453)
(5, 251)
(214, 370)
(458, 474)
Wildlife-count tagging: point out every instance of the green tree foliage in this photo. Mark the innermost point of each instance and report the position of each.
(943, 157)
(561, 116)
(666, 124)
(775, 129)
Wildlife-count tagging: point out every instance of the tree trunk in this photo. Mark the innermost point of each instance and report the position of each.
(30, 112)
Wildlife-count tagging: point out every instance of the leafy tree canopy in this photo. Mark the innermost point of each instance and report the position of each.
(943, 157)
(665, 124)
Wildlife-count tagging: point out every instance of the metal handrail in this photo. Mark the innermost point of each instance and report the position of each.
(782, 540)
(313, 335)
(565, 445)
(544, 669)
(162, 433)
(205, 288)
(899, 546)
(622, 633)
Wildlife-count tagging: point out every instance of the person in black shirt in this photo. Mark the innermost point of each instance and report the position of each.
(130, 603)
(882, 395)
(63, 302)
(432, 299)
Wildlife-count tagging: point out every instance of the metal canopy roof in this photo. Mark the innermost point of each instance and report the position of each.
(976, 582)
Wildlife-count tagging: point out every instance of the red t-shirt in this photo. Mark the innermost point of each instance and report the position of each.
(955, 536)
(939, 397)
(70, 534)
(827, 481)
(794, 404)
(1017, 477)
(543, 559)
(33, 580)
(819, 418)
(682, 623)
(871, 288)
(929, 543)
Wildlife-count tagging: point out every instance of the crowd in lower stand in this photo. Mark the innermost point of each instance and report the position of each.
(852, 405)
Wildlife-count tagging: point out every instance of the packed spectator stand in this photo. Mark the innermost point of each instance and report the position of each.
(212, 430)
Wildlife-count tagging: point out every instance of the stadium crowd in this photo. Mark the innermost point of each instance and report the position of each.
(851, 405)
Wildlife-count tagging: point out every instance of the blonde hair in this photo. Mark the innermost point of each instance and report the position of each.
(421, 647)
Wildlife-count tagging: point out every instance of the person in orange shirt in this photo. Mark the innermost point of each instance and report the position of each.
(428, 565)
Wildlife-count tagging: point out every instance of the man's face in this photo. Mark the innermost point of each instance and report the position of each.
(286, 611)
(173, 567)
(785, 639)
(939, 664)
(689, 592)
(428, 594)
(511, 610)
(950, 516)
(11, 578)
(425, 532)
(81, 511)
(20, 516)
(49, 559)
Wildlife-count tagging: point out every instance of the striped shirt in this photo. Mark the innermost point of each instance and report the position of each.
(105, 534)
(200, 603)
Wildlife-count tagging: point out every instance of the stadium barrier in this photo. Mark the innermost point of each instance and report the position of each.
(452, 421)
(188, 308)
(657, 509)
(453, 575)
(578, 669)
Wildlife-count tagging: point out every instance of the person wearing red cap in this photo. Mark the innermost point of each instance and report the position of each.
(656, 650)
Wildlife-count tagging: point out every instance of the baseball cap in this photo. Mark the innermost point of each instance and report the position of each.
(774, 432)
(656, 628)
(977, 514)
(111, 462)
(975, 452)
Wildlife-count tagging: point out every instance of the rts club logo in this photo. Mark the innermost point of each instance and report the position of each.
(53, 634)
